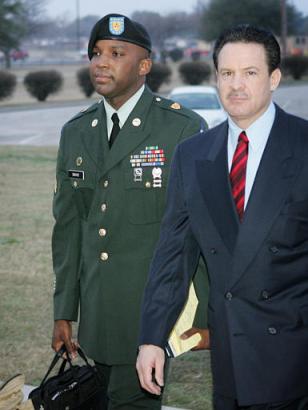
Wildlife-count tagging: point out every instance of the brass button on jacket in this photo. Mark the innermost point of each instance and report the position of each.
(104, 256)
(102, 232)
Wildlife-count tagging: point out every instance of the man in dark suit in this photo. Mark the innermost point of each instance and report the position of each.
(113, 165)
(240, 198)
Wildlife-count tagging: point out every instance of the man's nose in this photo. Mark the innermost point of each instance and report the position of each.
(237, 81)
(103, 60)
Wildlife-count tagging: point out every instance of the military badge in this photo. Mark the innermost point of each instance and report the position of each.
(116, 25)
(157, 173)
(137, 174)
(152, 156)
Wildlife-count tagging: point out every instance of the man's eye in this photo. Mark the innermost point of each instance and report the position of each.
(96, 53)
(251, 73)
(226, 74)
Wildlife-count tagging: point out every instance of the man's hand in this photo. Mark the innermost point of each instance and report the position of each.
(205, 337)
(150, 368)
(62, 334)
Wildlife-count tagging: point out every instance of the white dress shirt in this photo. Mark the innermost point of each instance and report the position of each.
(257, 134)
(123, 112)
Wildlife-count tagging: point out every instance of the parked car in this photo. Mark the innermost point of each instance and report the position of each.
(19, 54)
(202, 99)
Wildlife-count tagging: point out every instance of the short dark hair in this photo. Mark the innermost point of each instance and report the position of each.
(246, 33)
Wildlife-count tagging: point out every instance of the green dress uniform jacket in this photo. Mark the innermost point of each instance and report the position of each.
(108, 206)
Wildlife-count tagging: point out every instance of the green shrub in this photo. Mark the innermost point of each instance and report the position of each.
(176, 54)
(296, 66)
(159, 74)
(40, 84)
(84, 81)
(7, 84)
(194, 72)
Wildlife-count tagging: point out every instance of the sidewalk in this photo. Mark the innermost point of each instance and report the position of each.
(27, 389)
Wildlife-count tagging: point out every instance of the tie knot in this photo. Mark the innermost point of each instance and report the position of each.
(115, 118)
(243, 137)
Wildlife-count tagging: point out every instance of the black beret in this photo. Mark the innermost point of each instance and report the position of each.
(119, 27)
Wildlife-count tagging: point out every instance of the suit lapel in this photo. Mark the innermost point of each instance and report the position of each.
(272, 184)
(213, 178)
(94, 136)
(132, 134)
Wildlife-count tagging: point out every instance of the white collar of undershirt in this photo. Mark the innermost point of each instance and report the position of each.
(257, 133)
(124, 111)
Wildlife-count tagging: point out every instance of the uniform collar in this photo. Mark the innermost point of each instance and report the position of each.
(124, 111)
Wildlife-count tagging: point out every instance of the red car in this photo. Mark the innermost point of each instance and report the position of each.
(19, 54)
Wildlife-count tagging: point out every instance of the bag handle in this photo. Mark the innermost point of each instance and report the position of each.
(56, 358)
(82, 355)
(68, 359)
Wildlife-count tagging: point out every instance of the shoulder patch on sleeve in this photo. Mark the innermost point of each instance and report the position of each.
(175, 107)
(169, 105)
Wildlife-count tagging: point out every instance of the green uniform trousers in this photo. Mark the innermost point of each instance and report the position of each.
(122, 387)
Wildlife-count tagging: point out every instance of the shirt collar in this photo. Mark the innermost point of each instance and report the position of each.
(125, 110)
(258, 132)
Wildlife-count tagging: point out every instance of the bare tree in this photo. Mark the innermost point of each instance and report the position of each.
(17, 19)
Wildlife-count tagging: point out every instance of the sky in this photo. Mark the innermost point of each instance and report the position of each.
(68, 8)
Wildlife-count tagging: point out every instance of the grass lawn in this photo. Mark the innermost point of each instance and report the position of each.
(26, 189)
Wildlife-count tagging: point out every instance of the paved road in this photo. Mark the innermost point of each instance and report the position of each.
(293, 99)
(36, 126)
(42, 126)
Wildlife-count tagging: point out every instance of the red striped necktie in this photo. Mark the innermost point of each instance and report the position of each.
(238, 173)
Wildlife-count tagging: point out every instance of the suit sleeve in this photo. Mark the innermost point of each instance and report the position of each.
(66, 241)
(173, 265)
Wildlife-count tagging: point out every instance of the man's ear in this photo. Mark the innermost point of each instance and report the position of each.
(145, 66)
(275, 79)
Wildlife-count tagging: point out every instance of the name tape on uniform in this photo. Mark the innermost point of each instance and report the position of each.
(76, 174)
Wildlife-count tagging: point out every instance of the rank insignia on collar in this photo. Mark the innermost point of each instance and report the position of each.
(116, 25)
(76, 174)
(136, 122)
(175, 106)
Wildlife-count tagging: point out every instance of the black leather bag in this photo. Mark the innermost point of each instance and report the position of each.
(77, 388)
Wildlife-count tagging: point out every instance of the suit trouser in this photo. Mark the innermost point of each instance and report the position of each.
(122, 389)
(225, 403)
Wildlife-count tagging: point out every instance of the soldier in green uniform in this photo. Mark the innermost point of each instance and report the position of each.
(112, 172)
